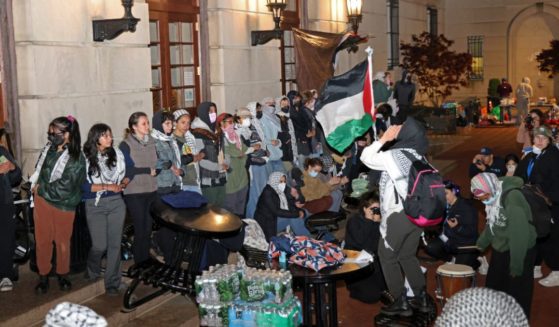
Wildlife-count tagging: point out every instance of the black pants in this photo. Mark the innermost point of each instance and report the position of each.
(139, 206)
(7, 240)
(521, 288)
(548, 248)
(441, 251)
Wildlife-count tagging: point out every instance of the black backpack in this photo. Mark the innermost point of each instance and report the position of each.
(539, 206)
(425, 202)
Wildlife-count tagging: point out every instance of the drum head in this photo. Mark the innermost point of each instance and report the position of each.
(455, 270)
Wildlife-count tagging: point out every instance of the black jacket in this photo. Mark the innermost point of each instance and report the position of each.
(498, 168)
(545, 173)
(268, 210)
(465, 233)
(8, 180)
(362, 234)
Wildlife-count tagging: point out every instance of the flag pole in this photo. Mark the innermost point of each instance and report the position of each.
(369, 52)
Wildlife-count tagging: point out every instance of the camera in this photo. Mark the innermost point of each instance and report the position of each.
(528, 122)
(479, 162)
(376, 211)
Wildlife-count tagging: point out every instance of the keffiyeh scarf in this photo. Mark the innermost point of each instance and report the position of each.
(168, 138)
(107, 175)
(273, 181)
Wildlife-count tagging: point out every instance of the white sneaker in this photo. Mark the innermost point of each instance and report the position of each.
(6, 285)
(551, 280)
(538, 272)
(484, 266)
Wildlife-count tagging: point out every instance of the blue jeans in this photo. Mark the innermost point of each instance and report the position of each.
(275, 165)
(337, 197)
(258, 179)
(297, 226)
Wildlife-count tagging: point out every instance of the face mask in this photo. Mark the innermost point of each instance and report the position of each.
(511, 168)
(246, 123)
(281, 187)
(56, 140)
(489, 201)
(213, 117)
(285, 109)
(536, 150)
(259, 114)
(313, 173)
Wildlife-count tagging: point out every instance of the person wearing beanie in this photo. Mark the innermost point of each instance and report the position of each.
(539, 167)
(510, 233)
(481, 306)
(190, 154)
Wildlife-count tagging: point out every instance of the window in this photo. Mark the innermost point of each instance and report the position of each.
(392, 7)
(432, 21)
(288, 72)
(475, 48)
(174, 54)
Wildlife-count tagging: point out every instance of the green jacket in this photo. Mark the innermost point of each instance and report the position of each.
(65, 193)
(237, 176)
(513, 230)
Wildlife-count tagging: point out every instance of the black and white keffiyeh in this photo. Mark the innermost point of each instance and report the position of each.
(68, 314)
(482, 307)
(274, 181)
(168, 138)
(107, 175)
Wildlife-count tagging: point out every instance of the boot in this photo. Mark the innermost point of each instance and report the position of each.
(43, 286)
(420, 302)
(400, 307)
(64, 283)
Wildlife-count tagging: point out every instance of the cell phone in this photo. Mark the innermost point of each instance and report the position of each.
(376, 211)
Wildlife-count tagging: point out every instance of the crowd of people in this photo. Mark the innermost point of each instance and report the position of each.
(269, 162)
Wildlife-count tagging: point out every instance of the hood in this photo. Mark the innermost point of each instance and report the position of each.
(412, 136)
(379, 76)
(251, 106)
(158, 119)
(199, 123)
(203, 112)
(405, 74)
(510, 182)
(274, 180)
(291, 95)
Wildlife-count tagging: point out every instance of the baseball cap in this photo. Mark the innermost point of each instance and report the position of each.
(542, 130)
(485, 151)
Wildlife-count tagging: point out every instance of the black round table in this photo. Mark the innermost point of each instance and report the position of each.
(322, 284)
(193, 226)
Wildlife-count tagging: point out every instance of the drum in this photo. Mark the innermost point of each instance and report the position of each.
(452, 278)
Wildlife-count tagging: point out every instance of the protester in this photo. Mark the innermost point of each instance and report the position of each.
(56, 185)
(504, 89)
(169, 173)
(485, 161)
(511, 162)
(105, 208)
(535, 119)
(511, 234)
(302, 126)
(190, 154)
(321, 193)
(10, 176)
(382, 87)
(271, 126)
(400, 237)
(404, 93)
(140, 155)
(286, 135)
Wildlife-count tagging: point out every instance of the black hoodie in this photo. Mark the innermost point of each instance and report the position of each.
(203, 112)
(411, 136)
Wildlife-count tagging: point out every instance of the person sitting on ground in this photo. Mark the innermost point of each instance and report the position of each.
(486, 162)
(362, 233)
(321, 195)
(511, 161)
(459, 230)
(276, 208)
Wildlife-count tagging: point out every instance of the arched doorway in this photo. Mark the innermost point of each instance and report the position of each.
(528, 33)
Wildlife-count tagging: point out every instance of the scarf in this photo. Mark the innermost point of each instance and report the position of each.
(255, 121)
(292, 134)
(106, 175)
(168, 138)
(57, 171)
(488, 183)
(273, 181)
(232, 136)
(68, 314)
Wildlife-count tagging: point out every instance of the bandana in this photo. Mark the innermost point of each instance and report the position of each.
(232, 136)
(274, 181)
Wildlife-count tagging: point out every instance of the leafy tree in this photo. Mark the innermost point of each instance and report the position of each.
(439, 71)
(548, 59)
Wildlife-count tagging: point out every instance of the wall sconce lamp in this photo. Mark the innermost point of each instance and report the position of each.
(354, 13)
(108, 29)
(263, 37)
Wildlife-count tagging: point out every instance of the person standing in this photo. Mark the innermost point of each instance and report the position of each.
(105, 208)
(140, 155)
(287, 136)
(510, 233)
(190, 154)
(524, 92)
(169, 173)
(404, 93)
(400, 237)
(271, 127)
(10, 176)
(56, 185)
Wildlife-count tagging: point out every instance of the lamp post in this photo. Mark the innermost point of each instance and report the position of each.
(263, 37)
(108, 29)
(354, 13)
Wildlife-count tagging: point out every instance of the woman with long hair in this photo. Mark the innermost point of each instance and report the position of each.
(56, 184)
(140, 156)
(105, 208)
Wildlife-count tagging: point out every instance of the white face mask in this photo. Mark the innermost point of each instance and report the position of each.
(281, 187)
(536, 150)
(213, 117)
(511, 168)
(246, 122)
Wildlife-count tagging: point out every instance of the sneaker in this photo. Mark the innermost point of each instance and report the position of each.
(538, 272)
(551, 280)
(6, 285)
(484, 266)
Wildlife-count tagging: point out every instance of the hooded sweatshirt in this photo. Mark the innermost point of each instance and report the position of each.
(404, 91)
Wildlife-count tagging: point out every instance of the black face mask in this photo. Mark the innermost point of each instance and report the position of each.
(259, 114)
(56, 139)
(285, 109)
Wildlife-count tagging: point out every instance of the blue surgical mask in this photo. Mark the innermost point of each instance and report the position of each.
(490, 200)
(313, 173)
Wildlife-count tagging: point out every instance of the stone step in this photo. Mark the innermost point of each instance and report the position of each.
(178, 311)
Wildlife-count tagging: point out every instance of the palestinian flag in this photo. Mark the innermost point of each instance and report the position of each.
(345, 108)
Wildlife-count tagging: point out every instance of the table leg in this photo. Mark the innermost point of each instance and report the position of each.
(332, 303)
(307, 304)
(320, 305)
